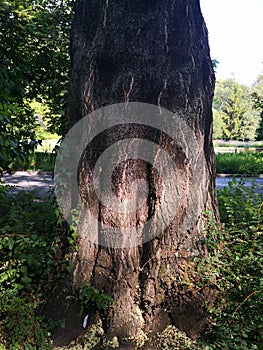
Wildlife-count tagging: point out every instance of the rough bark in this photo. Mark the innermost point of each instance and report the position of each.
(155, 52)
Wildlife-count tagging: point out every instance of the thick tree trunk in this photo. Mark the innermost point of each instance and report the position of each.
(154, 52)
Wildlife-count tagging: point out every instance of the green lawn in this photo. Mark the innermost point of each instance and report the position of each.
(245, 163)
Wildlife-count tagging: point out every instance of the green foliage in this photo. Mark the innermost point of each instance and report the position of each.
(215, 64)
(89, 295)
(40, 112)
(17, 136)
(245, 163)
(218, 125)
(38, 161)
(234, 270)
(19, 322)
(34, 67)
(35, 260)
(238, 204)
(35, 41)
(257, 98)
(32, 264)
(234, 109)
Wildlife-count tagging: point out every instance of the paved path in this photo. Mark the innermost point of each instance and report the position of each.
(222, 181)
(33, 180)
(43, 181)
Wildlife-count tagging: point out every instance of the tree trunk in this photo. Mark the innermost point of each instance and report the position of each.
(154, 52)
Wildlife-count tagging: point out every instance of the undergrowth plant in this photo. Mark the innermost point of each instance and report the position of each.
(89, 295)
(31, 266)
(36, 247)
(234, 270)
(35, 259)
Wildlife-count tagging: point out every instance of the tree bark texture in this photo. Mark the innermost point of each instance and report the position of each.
(154, 52)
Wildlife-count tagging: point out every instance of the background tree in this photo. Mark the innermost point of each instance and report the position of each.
(34, 65)
(153, 52)
(218, 125)
(257, 97)
(234, 104)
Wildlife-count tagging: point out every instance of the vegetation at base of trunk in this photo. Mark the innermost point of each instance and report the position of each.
(33, 263)
(90, 295)
(35, 259)
(234, 270)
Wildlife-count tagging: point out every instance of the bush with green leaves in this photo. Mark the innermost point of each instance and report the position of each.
(20, 328)
(32, 265)
(234, 270)
(35, 262)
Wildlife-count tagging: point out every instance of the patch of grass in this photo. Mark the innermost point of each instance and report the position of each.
(245, 163)
(37, 161)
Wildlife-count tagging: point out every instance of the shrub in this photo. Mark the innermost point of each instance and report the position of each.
(234, 269)
(31, 266)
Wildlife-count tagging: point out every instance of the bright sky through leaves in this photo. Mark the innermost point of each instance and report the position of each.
(236, 37)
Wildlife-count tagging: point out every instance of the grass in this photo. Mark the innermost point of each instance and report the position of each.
(244, 163)
(37, 161)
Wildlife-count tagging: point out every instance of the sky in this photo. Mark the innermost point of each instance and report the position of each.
(235, 30)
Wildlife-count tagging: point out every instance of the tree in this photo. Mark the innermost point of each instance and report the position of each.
(257, 98)
(218, 125)
(34, 65)
(234, 104)
(157, 53)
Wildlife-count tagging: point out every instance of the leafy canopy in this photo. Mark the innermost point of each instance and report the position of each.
(34, 65)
